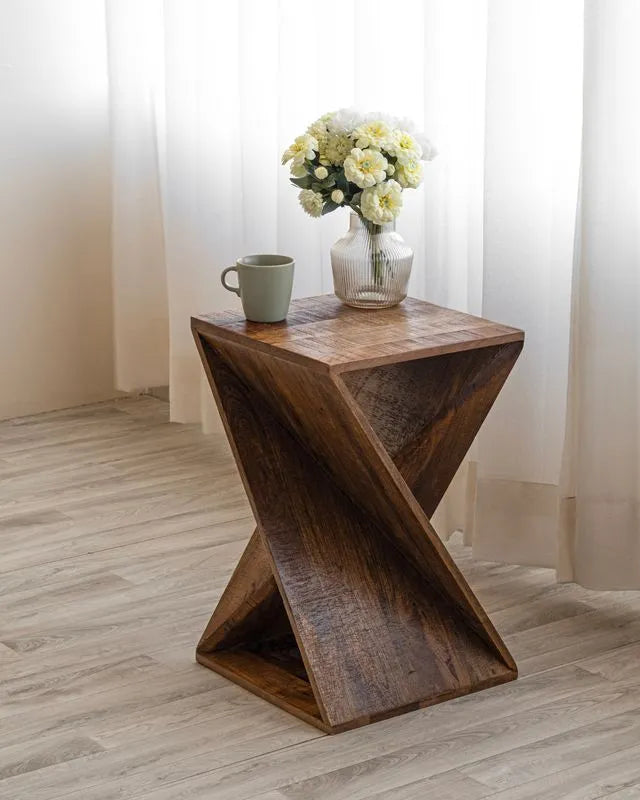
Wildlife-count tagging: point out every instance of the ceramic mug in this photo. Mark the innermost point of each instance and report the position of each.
(264, 286)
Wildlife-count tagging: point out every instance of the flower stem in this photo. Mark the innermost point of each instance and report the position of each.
(377, 257)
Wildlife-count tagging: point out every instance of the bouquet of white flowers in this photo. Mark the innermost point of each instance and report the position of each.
(363, 161)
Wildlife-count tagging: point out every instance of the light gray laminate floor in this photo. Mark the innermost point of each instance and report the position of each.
(118, 532)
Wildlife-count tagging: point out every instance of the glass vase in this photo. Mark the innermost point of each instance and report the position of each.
(371, 265)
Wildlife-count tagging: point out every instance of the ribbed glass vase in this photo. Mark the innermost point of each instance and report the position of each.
(371, 265)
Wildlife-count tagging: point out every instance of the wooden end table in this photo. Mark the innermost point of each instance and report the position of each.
(347, 427)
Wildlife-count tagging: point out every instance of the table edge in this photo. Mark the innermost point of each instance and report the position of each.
(217, 331)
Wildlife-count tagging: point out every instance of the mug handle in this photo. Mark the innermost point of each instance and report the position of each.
(235, 289)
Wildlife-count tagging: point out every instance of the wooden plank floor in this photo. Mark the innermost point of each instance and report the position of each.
(118, 532)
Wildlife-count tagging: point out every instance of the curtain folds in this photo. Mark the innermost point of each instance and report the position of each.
(600, 487)
(530, 215)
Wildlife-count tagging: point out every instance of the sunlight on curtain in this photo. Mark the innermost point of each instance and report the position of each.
(136, 70)
(600, 517)
(532, 162)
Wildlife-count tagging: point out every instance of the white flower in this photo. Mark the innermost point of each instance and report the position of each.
(375, 133)
(336, 148)
(311, 202)
(382, 116)
(382, 203)
(345, 120)
(429, 152)
(409, 173)
(364, 149)
(318, 130)
(365, 167)
(404, 146)
(405, 124)
(303, 148)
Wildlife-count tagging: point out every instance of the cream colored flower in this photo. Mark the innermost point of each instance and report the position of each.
(318, 130)
(336, 148)
(409, 173)
(311, 202)
(303, 148)
(390, 169)
(382, 203)
(337, 196)
(365, 167)
(321, 173)
(375, 134)
(298, 170)
(404, 146)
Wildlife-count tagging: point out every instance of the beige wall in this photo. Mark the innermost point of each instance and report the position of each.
(55, 287)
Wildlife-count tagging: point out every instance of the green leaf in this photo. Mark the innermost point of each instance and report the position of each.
(355, 200)
(301, 183)
(328, 207)
(341, 182)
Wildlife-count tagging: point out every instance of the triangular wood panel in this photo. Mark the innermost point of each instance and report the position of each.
(426, 413)
(250, 608)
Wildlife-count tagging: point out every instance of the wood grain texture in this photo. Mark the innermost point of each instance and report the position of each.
(382, 618)
(427, 413)
(250, 603)
(100, 698)
(324, 334)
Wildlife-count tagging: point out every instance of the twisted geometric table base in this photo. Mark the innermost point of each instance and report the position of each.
(346, 607)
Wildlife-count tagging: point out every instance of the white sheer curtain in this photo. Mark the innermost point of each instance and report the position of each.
(600, 519)
(206, 95)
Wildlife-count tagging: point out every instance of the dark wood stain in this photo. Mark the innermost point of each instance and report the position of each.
(346, 607)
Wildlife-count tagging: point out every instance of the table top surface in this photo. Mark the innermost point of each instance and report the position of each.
(325, 334)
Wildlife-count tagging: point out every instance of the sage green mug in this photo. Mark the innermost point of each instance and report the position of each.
(264, 286)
